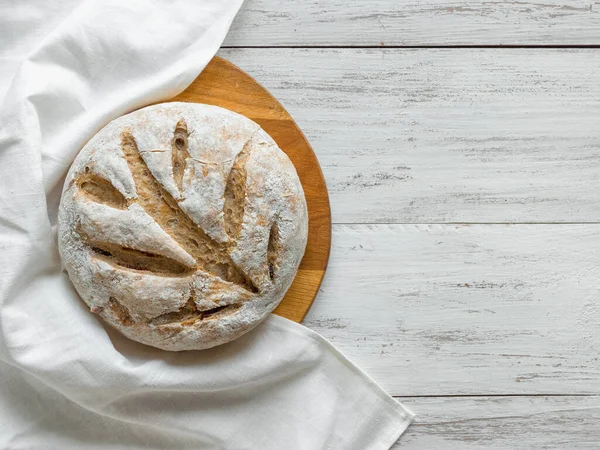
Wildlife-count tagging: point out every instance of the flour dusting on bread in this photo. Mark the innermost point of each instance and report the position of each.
(182, 225)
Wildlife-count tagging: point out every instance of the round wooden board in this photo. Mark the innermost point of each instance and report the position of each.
(226, 85)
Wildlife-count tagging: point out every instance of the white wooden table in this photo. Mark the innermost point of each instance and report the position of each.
(460, 141)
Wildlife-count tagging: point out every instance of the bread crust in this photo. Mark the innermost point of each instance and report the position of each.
(182, 225)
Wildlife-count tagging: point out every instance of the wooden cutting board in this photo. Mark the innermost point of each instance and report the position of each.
(226, 85)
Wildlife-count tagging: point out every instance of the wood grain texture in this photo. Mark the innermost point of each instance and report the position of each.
(223, 84)
(419, 22)
(466, 310)
(445, 136)
(442, 136)
(503, 423)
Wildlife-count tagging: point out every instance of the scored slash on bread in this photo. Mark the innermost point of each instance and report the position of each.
(210, 256)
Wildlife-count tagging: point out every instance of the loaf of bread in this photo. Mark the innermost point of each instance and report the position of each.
(182, 225)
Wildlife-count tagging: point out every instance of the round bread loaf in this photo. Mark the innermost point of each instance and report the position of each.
(182, 225)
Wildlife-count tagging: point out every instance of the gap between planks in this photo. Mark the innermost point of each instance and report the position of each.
(449, 47)
(458, 396)
(464, 223)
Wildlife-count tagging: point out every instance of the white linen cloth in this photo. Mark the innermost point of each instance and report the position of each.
(66, 69)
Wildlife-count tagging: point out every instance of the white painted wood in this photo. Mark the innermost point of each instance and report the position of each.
(442, 136)
(459, 135)
(419, 22)
(466, 310)
(503, 423)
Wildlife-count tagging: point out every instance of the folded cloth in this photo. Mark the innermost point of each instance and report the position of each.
(66, 69)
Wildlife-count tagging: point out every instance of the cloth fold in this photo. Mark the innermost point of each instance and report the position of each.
(66, 69)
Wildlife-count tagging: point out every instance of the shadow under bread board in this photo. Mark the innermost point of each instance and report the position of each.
(226, 85)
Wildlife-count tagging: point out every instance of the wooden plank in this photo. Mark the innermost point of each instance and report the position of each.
(420, 22)
(503, 423)
(466, 310)
(443, 136)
